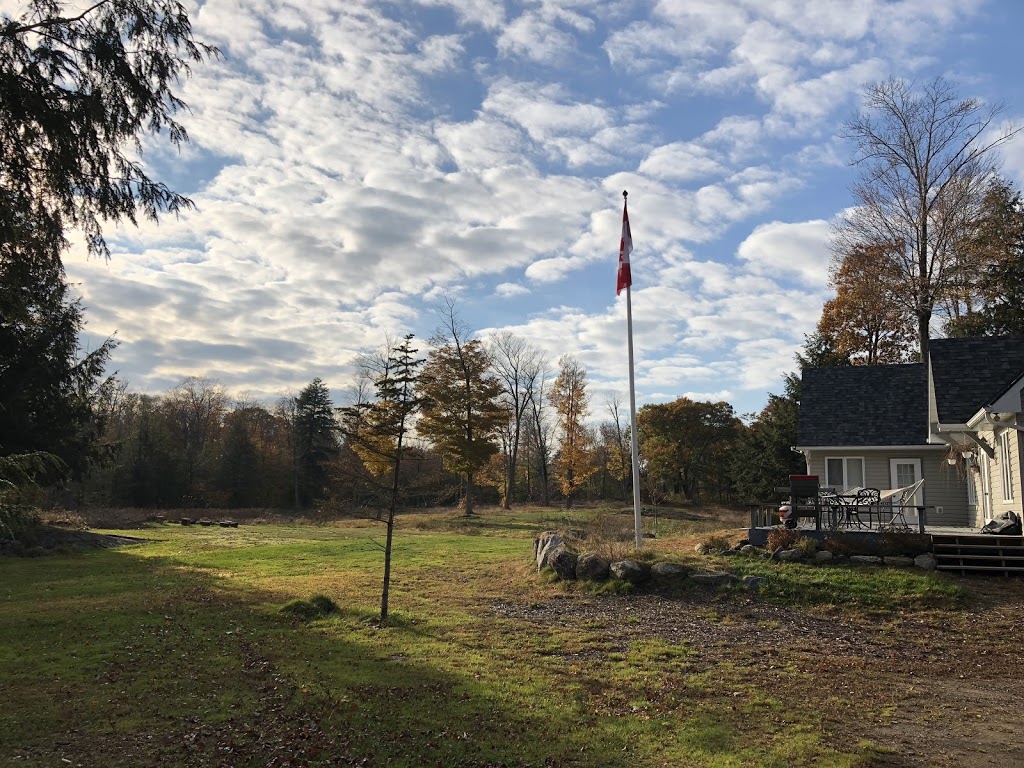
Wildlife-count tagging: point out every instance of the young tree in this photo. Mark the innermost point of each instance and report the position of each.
(575, 460)
(462, 408)
(82, 84)
(377, 432)
(926, 157)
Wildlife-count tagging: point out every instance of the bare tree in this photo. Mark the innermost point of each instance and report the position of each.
(926, 157)
(518, 364)
(196, 408)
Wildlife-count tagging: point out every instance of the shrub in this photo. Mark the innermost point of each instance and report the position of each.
(897, 542)
(716, 543)
(845, 545)
(316, 607)
(610, 535)
(16, 520)
(806, 545)
(782, 538)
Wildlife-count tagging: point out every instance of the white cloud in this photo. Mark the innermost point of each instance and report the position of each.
(782, 250)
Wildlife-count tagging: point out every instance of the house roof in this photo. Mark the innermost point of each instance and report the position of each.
(864, 405)
(971, 373)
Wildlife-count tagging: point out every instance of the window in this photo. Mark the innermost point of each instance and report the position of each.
(842, 472)
(1004, 465)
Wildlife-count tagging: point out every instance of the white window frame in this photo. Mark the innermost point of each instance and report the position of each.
(1005, 467)
(846, 471)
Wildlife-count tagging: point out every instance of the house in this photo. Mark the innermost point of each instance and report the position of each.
(953, 421)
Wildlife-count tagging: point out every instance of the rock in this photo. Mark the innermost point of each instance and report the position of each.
(592, 567)
(752, 582)
(926, 561)
(668, 570)
(713, 579)
(898, 561)
(701, 549)
(544, 545)
(563, 563)
(823, 556)
(631, 571)
(648, 535)
(865, 560)
(186, 521)
(748, 549)
(791, 555)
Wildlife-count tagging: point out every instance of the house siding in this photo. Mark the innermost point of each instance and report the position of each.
(942, 486)
(999, 503)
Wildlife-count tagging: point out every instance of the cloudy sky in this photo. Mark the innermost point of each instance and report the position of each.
(353, 162)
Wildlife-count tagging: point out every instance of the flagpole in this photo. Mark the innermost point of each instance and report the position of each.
(634, 444)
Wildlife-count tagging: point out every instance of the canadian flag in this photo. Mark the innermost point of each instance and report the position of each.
(625, 248)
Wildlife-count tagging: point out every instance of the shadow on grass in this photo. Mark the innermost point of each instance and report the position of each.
(155, 662)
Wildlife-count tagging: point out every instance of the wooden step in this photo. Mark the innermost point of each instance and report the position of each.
(1006, 570)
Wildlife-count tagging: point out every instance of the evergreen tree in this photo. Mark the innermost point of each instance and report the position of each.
(462, 408)
(79, 90)
(315, 440)
(48, 393)
(377, 432)
(763, 458)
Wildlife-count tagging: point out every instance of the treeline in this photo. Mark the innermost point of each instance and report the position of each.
(524, 433)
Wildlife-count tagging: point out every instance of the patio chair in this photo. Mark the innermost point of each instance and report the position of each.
(898, 498)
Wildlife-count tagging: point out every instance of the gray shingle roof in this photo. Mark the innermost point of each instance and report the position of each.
(864, 405)
(970, 373)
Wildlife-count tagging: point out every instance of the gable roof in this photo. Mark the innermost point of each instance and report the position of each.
(864, 405)
(969, 374)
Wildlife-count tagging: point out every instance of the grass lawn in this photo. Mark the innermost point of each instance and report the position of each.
(176, 652)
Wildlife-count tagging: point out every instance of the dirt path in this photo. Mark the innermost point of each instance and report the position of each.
(939, 689)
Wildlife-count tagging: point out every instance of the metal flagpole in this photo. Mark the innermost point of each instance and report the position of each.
(634, 446)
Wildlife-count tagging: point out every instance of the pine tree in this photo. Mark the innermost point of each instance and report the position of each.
(462, 408)
(316, 442)
(377, 432)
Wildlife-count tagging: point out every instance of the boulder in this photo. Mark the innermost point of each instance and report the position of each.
(926, 561)
(545, 544)
(753, 582)
(631, 571)
(592, 567)
(823, 556)
(898, 561)
(865, 560)
(748, 549)
(790, 555)
(668, 570)
(713, 579)
(563, 563)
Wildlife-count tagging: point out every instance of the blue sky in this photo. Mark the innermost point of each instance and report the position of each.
(354, 162)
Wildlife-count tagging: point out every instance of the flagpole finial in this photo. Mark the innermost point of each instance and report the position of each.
(624, 194)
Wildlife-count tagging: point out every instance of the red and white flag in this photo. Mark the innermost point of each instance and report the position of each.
(625, 248)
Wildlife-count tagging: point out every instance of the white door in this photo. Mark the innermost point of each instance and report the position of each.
(986, 487)
(904, 472)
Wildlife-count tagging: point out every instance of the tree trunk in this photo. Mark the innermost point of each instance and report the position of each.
(469, 495)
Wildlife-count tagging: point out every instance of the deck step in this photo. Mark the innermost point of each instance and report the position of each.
(979, 553)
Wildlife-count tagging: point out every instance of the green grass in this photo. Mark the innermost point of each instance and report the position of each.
(177, 652)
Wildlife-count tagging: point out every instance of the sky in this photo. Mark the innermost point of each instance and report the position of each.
(355, 163)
